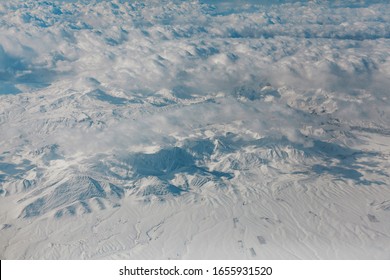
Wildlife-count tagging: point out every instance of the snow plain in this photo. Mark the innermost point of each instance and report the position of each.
(194, 129)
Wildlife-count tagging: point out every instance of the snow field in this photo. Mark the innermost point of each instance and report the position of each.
(194, 130)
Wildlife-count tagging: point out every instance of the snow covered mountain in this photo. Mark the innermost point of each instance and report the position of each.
(194, 129)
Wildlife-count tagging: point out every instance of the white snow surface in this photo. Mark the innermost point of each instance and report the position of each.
(194, 129)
